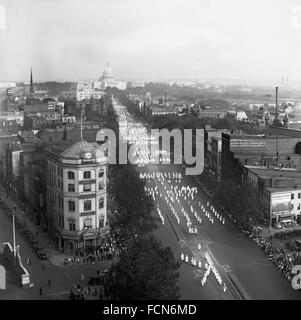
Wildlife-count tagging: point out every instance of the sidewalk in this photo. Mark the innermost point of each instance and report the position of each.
(267, 232)
(54, 256)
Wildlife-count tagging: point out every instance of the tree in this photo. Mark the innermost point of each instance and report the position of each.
(145, 271)
(133, 212)
(241, 201)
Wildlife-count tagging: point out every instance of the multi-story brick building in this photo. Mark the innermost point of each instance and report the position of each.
(76, 194)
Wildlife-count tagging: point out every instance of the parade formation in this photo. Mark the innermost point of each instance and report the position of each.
(176, 202)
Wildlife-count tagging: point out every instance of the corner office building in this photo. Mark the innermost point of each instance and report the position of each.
(76, 195)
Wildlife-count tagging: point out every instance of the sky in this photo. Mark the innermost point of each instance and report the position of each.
(150, 39)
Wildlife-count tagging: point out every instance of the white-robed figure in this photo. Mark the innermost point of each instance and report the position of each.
(225, 287)
(199, 246)
(200, 264)
(182, 256)
(186, 258)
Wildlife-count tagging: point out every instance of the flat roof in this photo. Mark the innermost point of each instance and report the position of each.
(256, 137)
(268, 173)
(284, 189)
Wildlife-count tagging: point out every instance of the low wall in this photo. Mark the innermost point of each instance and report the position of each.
(20, 270)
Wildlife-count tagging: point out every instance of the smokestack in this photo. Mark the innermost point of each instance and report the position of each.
(165, 98)
(276, 115)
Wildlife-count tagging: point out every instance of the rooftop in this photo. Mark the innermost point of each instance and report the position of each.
(76, 150)
(256, 137)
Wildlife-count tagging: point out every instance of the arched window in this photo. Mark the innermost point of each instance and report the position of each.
(70, 175)
(101, 221)
(87, 174)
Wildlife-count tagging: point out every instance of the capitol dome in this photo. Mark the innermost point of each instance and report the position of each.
(108, 73)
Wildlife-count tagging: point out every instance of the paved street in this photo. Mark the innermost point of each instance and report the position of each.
(63, 278)
(232, 251)
(235, 256)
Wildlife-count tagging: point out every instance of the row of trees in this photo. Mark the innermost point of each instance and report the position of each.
(240, 200)
(144, 270)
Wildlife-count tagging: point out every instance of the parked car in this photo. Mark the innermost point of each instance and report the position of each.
(277, 225)
(41, 253)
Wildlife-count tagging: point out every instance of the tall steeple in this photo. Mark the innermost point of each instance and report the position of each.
(31, 87)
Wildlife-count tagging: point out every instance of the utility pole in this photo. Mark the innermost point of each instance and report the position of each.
(14, 233)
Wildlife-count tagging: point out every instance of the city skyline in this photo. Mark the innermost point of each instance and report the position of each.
(212, 40)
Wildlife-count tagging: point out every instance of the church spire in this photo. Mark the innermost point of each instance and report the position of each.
(31, 87)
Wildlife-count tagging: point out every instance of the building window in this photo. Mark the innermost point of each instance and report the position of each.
(100, 203)
(292, 207)
(88, 223)
(299, 195)
(100, 174)
(101, 221)
(292, 196)
(71, 225)
(87, 205)
(87, 174)
(87, 187)
(70, 175)
(71, 187)
(299, 206)
(71, 205)
(100, 186)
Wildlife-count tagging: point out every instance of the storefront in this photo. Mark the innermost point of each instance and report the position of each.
(280, 208)
(286, 220)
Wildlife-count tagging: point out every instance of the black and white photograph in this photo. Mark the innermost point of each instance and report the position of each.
(150, 150)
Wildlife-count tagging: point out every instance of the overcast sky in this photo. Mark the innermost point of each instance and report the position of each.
(150, 39)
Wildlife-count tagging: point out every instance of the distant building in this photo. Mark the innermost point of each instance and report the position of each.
(68, 119)
(6, 85)
(241, 116)
(280, 190)
(17, 116)
(212, 114)
(108, 80)
(88, 90)
(213, 148)
(135, 84)
(163, 111)
(258, 150)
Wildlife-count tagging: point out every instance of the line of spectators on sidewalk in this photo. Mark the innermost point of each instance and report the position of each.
(105, 251)
(282, 258)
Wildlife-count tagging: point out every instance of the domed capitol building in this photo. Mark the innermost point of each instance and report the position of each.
(87, 90)
(108, 80)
